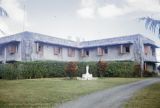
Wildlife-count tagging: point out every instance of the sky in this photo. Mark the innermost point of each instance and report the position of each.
(84, 19)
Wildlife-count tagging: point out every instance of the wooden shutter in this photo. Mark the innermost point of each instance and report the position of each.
(82, 53)
(71, 52)
(57, 50)
(99, 51)
(37, 47)
(121, 49)
(146, 50)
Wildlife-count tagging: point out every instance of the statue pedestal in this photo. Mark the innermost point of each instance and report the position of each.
(87, 75)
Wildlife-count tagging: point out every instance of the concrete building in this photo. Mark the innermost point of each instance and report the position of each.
(29, 46)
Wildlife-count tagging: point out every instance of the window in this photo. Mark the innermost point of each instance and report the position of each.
(146, 50)
(57, 50)
(39, 48)
(12, 49)
(153, 51)
(124, 49)
(106, 50)
(1, 51)
(71, 52)
(99, 51)
(82, 53)
(87, 52)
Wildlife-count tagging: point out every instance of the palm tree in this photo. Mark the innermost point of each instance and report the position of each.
(152, 24)
(3, 13)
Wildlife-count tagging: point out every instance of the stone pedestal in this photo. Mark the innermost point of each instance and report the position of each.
(87, 75)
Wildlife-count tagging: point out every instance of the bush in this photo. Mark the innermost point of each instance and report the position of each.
(28, 70)
(120, 69)
(71, 69)
(149, 74)
(48, 69)
(101, 68)
(137, 70)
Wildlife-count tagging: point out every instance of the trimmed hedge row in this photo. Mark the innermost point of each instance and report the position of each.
(43, 69)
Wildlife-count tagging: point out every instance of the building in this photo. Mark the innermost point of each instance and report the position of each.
(29, 46)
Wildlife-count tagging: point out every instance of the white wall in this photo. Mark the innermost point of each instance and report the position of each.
(48, 54)
(113, 54)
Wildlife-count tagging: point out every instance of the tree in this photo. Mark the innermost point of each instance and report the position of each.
(152, 24)
(101, 68)
(3, 13)
(71, 69)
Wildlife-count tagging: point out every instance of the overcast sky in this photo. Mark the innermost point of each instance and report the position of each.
(86, 19)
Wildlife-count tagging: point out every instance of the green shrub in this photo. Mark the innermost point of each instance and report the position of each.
(28, 70)
(137, 70)
(45, 69)
(120, 69)
(149, 74)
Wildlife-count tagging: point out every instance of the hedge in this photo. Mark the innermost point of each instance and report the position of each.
(47, 69)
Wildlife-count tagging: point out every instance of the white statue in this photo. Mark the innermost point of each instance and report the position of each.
(87, 75)
(87, 69)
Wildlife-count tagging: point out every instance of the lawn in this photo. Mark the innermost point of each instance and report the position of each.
(46, 93)
(148, 97)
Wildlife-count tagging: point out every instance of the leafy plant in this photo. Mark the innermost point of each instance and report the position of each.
(152, 24)
(101, 68)
(71, 69)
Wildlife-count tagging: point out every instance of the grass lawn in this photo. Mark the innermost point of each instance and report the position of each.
(45, 93)
(148, 97)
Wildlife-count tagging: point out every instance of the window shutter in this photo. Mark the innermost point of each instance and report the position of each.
(57, 50)
(82, 53)
(71, 52)
(37, 47)
(121, 49)
(146, 50)
(99, 51)
(12, 49)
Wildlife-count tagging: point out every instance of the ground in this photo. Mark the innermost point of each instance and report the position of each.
(49, 92)
(148, 97)
(109, 98)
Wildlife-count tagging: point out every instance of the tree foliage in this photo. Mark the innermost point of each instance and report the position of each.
(101, 68)
(48, 69)
(152, 24)
(71, 69)
(3, 13)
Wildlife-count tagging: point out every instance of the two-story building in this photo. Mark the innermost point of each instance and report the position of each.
(29, 46)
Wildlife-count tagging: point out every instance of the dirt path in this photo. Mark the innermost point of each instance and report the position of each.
(110, 98)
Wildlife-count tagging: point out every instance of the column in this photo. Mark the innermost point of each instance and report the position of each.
(5, 55)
